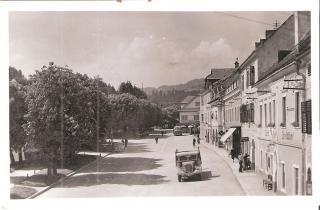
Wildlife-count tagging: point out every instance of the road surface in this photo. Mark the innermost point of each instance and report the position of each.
(148, 169)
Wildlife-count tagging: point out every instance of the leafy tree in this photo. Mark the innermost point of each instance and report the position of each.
(127, 87)
(17, 110)
(170, 116)
(63, 108)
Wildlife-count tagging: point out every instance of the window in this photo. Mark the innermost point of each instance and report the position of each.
(242, 82)
(309, 69)
(274, 111)
(265, 115)
(247, 82)
(296, 180)
(284, 112)
(261, 159)
(197, 103)
(216, 115)
(184, 117)
(201, 100)
(267, 162)
(252, 112)
(252, 78)
(283, 172)
(306, 117)
(260, 115)
(297, 109)
(196, 117)
(270, 113)
(202, 118)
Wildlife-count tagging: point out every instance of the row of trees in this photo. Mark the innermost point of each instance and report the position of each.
(57, 110)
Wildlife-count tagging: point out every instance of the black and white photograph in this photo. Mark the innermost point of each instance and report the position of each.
(161, 104)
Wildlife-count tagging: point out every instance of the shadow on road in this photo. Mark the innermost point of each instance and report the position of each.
(111, 178)
(125, 164)
(137, 148)
(205, 175)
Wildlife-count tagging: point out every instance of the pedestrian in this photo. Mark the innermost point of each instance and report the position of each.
(194, 142)
(198, 139)
(232, 154)
(156, 140)
(125, 142)
(240, 163)
(245, 160)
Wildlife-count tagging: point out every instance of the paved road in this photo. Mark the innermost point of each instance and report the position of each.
(148, 169)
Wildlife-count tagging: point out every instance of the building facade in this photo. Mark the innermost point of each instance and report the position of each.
(277, 94)
(189, 111)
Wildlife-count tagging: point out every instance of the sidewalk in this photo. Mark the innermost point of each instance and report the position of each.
(22, 178)
(250, 181)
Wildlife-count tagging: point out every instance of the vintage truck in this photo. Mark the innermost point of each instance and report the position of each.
(188, 164)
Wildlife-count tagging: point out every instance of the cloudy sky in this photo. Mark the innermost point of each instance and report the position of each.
(153, 48)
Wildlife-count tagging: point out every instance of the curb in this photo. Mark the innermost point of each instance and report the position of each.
(64, 178)
(236, 177)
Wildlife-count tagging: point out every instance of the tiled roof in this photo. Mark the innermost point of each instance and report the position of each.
(187, 99)
(220, 73)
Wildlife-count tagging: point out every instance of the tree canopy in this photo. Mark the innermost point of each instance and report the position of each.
(59, 110)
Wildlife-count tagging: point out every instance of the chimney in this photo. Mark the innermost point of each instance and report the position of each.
(236, 64)
(269, 33)
(262, 41)
(257, 44)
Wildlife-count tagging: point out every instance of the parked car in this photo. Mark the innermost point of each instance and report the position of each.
(188, 164)
(177, 131)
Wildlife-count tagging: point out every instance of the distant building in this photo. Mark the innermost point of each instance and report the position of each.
(211, 116)
(189, 111)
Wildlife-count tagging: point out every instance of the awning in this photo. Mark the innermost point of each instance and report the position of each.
(243, 139)
(227, 134)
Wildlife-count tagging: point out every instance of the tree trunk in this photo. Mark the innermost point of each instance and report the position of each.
(20, 156)
(54, 166)
(13, 161)
(49, 169)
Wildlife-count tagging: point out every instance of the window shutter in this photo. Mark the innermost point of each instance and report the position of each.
(252, 112)
(303, 117)
(309, 117)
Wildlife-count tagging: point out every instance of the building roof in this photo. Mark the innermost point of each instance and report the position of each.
(302, 46)
(219, 73)
(187, 99)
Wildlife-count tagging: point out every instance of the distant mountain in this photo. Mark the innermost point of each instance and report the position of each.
(167, 95)
(192, 85)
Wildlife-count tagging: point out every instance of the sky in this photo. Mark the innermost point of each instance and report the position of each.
(146, 48)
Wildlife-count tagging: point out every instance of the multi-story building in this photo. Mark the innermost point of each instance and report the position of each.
(210, 117)
(231, 111)
(275, 88)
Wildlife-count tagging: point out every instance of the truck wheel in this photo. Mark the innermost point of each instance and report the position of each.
(179, 178)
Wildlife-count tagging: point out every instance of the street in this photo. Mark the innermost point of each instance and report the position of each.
(148, 169)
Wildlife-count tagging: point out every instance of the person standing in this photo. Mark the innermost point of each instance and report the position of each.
(240, 163)
(125, 142)
(232, 154)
